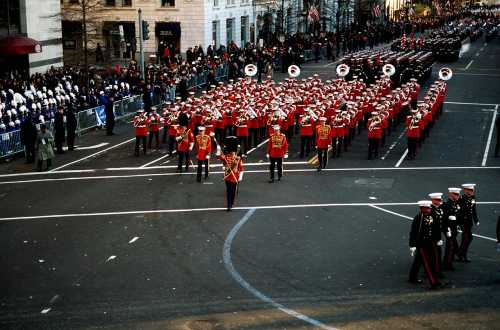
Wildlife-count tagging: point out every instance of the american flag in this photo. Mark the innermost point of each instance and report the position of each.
(313, 15)
(376, 10)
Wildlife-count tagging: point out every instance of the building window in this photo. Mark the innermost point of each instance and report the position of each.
(216, 3)
(168, 3)
(229, 30)
(244, 28)
(126, 3)
(110, 3)
(215, 33)
(230, 2)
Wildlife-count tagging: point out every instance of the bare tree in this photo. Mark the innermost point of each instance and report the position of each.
(89, 13)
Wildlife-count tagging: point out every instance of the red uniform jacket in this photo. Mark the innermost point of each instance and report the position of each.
(233, 166)
(323, 136)
(140, 124)
(184, 138)
(374, 130)
(277, 146)
(306, 126)
(203, 146)
(154, 122)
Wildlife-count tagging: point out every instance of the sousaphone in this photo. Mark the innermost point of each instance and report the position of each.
(388, 70)
(293, 71)
(445, 74)
(342, 70)
(250, 70)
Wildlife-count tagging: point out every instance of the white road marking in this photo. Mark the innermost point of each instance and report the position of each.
(54, 299)
(210, 165)
(394, 144)
(97, 146)
(45, 310)
(110, 258)
(468, 103)
(226, 255)
(468, 65)
(490, 135)
(155, 161)
(45, 173)
(410, 218)
(212, 209)
(476, 74)
(400, 161)
(477, 54)
(92, 155)
(149, 175)
(133, 240)
(258, 146)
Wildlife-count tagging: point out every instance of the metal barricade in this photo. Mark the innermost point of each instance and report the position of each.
(10, 143)
(86, 120)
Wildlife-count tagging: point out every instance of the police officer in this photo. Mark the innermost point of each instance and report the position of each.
(423, 236)
(469, 218)
(452, 216)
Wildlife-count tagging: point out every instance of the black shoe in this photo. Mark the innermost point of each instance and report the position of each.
(318, 169)
(449, 269)
(279, 179)
(466, 260)
(437, 286)
(271, 181)
(440, 275)
(417, 281)
(228, 209)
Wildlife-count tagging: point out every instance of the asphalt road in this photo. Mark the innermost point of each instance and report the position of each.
(107, 242)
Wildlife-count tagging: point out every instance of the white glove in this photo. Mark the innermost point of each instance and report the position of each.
(191, 145)
(240, 177)
(448, 233)
(413, 250)
(498, 247)
(218, 152)
(286, 156)
(452, 218)
(208, 157)
(440, 242)
(477, 224)
(267, 156)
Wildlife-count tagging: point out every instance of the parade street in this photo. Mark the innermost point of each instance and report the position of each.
(107, 240)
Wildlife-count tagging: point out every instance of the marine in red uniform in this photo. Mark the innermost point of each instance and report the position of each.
(323, 140)
(141, 131)
(203, 147)
(374, 135)
(413, 133)
(277, 149)
(153, 122)
(233, 169)
(306, 133)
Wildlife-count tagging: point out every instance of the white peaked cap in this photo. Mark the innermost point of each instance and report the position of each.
(469, 186)
(424, 203)
(454, 190)
(435, 195)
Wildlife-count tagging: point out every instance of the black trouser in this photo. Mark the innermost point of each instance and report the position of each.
(71, 139)
(336, 147)
(466, 240)
(138, 141)
(231, 189)
(253, 137)
(30, 153)
(156, 135)
(171, 144)
(40, 163)
(59, 145)
(322, 157)
(425, 255)
(164, 138)
(373, 145)
(450, 250)
(110, 124)
(199, 170)
(181, 156)
(228, 131)
(305, 144)
(412, 147)
(243, 143)
(276, 162)
(219, 134)
(382, 141)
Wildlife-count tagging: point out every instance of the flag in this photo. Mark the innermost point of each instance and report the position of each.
(411, 11)
(376, 10)
(438, 8)
(447, 5)
(313, 15)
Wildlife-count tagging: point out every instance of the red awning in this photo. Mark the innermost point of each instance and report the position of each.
(17, 45)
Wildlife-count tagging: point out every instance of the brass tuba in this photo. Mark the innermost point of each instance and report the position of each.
(445, 74)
